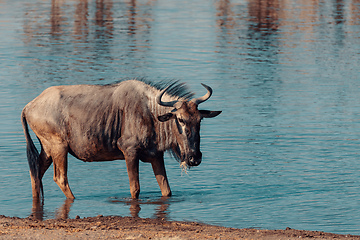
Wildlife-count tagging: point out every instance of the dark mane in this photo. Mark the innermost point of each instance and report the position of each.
(176, 89)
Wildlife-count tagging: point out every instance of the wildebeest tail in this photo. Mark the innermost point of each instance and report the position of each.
(33, 157)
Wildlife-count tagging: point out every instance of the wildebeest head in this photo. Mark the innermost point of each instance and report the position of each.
(187, 118)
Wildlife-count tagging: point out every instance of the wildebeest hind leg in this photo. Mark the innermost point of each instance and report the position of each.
(45, 162)
(59, 157)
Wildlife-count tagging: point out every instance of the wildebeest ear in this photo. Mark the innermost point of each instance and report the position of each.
(209, 114)
(165, 117)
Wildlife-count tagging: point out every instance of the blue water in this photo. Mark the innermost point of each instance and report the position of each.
(285, 150)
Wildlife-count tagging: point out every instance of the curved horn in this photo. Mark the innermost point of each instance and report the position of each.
(165, 104)
(203, 98)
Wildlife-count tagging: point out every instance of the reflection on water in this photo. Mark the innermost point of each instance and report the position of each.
(63, 212)
(37, 211)
(161, 211)
(284, 153)
(95, 38)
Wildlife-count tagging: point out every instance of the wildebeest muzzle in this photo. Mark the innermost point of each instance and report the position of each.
(193, 159)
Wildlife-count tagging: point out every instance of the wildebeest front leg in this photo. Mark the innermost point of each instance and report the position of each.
(158, 166)
(59, 156)
(132, 165)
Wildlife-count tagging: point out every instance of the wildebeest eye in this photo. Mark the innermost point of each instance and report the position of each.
(181, 121)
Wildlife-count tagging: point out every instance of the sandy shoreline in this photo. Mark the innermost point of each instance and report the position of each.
(115, 227)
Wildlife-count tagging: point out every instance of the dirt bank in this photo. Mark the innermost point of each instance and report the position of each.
(111, 227)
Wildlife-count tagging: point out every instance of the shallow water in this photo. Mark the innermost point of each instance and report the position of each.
(284, 152)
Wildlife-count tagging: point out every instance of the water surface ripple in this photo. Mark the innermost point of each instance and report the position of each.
(285, 150)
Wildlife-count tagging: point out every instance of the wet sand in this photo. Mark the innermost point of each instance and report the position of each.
(115, 227)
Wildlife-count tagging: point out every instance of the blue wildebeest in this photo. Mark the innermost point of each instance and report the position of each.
(132, 120)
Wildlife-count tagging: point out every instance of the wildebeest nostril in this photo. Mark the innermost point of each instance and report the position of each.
(194, 161)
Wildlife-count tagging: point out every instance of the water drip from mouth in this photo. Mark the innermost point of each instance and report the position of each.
(184, 167)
